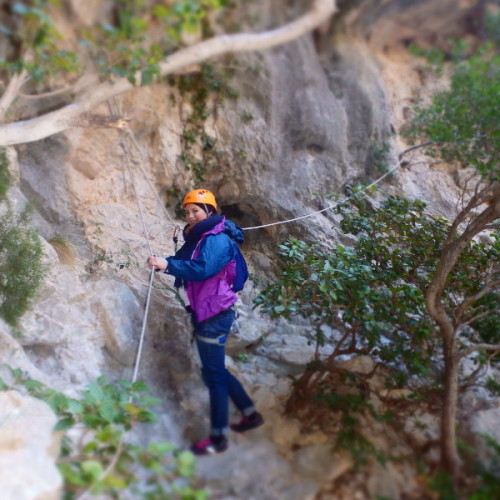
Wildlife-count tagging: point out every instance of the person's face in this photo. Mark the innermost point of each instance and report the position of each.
(194, 214)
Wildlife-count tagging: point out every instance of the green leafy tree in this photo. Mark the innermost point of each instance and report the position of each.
(462, 121)
(463, 128)
(374, 296)
(435, 269)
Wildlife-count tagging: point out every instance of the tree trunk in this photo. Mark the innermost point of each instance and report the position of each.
(450, 460)
(436, 309)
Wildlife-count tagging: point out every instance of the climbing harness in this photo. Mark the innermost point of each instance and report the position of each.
(220, 340)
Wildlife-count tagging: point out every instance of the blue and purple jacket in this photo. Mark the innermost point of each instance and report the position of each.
(209, 273)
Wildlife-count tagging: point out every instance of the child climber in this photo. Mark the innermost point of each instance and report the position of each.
(206, 265)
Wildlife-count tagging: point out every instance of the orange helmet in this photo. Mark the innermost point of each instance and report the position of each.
(200, 196)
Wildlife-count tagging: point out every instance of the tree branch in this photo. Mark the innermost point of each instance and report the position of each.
(471, 379)
(475, 318)
(64, 118)
(12, 91)
(452, 250)
(484, 193)
(412, 148)
(473, 298)
(479, 347)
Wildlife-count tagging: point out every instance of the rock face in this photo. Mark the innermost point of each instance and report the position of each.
(28, 449)
(313, 117)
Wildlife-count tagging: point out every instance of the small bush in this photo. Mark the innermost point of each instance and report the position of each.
(21, 269)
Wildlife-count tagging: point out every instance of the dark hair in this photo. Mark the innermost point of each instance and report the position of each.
(206, 207)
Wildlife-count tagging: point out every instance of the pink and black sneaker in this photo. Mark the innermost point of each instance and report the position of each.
(248, 423)
(209, 446)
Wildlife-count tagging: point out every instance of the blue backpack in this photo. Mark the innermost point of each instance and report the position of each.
(241, 271)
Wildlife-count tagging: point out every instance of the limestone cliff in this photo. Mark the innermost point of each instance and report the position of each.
(312, 118)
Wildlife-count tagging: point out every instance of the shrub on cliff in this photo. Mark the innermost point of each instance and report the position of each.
(21, 269)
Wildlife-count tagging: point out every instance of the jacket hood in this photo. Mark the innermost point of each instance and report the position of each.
(233, 231)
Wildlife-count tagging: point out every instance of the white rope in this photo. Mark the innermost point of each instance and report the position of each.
(329, 207)
(151, 276)
(143, 330)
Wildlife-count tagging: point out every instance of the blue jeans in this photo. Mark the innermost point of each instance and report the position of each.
(222, 385)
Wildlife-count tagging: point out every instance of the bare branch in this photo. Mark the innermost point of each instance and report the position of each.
(475, 318)
(483, 193)
(12, 91)
(63, 118)
(473, 298)
(85, 80)
(472, 378)
(479, 347)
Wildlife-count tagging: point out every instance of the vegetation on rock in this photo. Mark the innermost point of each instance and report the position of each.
(21, 268)
(98, 457)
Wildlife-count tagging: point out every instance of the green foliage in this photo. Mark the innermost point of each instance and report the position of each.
(247, 116)
(442, 484)
(379, 156)
(493, 386)
(373, 294)
(463, 121)
(206, 91)
(350, 436)
(433, 56)
(4, 176)
(242, 357)
(187, 16)
(103, 462)
(21, 269)
(483, 481)
(488, 476)
(121, 260)
(37, 39)
(492, 26)
(135, 37)
(488, 323)
(376, 289)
